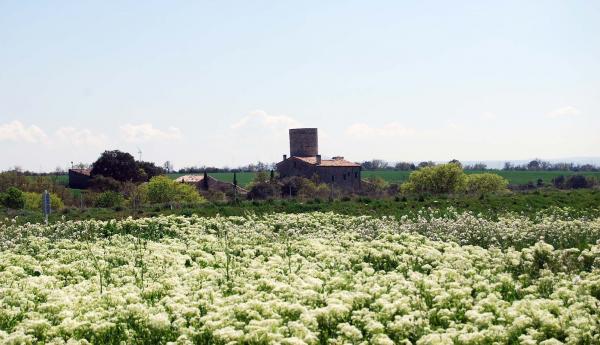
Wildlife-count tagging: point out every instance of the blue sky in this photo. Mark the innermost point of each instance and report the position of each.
(219, 83)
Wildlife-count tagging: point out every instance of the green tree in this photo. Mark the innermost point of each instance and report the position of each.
(116, 164)
(439, 179)
(13, 198)
(486, 183)
(109, 199)
(162, 189)
(261, 177)
(33, 201)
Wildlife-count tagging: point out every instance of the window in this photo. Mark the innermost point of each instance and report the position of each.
(355, 175)
(344, 177)
(332, 178)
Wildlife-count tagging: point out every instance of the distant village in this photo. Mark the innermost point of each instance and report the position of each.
(304, 160)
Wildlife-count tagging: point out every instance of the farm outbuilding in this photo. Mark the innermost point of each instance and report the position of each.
(80, 178)
(306, 161)
(210, 184)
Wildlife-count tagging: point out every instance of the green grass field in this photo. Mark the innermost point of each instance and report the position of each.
(392, 176)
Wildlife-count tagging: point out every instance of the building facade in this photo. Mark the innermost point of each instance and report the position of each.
(305, 161)
(80, 178)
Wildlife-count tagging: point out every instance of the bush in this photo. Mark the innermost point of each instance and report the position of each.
(262, 191)
(33, 201)
(162, 189)
(439, 179)
(109, 199)
(486, 183)
(13, 198)
(101, 183)
(576, 182)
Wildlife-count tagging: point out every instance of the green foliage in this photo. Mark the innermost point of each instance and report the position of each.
(187, 194)
(13, 198)
(102, 183)
(304, 188)
(109, 199)
(439, 179)
(33, 201)
(162, 189)
(122, 167)
(261, 176)
(486, 183)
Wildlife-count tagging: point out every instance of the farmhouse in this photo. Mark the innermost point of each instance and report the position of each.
(306, 161)
(210, 184)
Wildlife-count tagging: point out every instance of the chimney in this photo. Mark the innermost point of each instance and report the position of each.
(318, 159)
(284, 157)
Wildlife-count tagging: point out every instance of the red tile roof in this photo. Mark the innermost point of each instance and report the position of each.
(328, 162)
(86, 172)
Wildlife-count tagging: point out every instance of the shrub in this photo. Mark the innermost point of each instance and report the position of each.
(262, 191)
(109, 199)
(162, 189)
(13, 198)
(576, 182)
(101, 183)
(33, 201)
(439, 179)
(486, 183)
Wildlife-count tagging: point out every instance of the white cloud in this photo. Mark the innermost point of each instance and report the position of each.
(488, 115)
(78, 137)
(563, 112)
(147, 132)
(18, 132)
(392, 129)
(261, 118)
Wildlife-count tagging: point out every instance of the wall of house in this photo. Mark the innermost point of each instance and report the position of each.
(346, 178)
(295, 167)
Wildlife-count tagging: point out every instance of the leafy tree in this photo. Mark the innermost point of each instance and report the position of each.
(426, 164)
(405, 166)
(150, 170)
(486, 183)
(439, 179)
(457, 162)
(262, 191)
(13, 198)
(33, 201)
(375, 186)
(261, 177)
(116, 164)
(576, 182)
(162, 189)
(375, 164)
(559, 181)
(109, 199)
(535, 164)
(102, 183)
(205, 180)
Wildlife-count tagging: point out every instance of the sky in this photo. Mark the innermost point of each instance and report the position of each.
(220, 82)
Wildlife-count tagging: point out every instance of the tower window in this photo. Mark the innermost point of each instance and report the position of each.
(355, 175)
(332, 178)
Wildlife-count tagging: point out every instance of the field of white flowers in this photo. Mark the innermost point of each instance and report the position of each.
(302, 279)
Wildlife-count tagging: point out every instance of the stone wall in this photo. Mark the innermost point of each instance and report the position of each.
(304, 142)
(346, 178)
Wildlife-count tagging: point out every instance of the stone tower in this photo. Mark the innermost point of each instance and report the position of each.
(304, 142)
